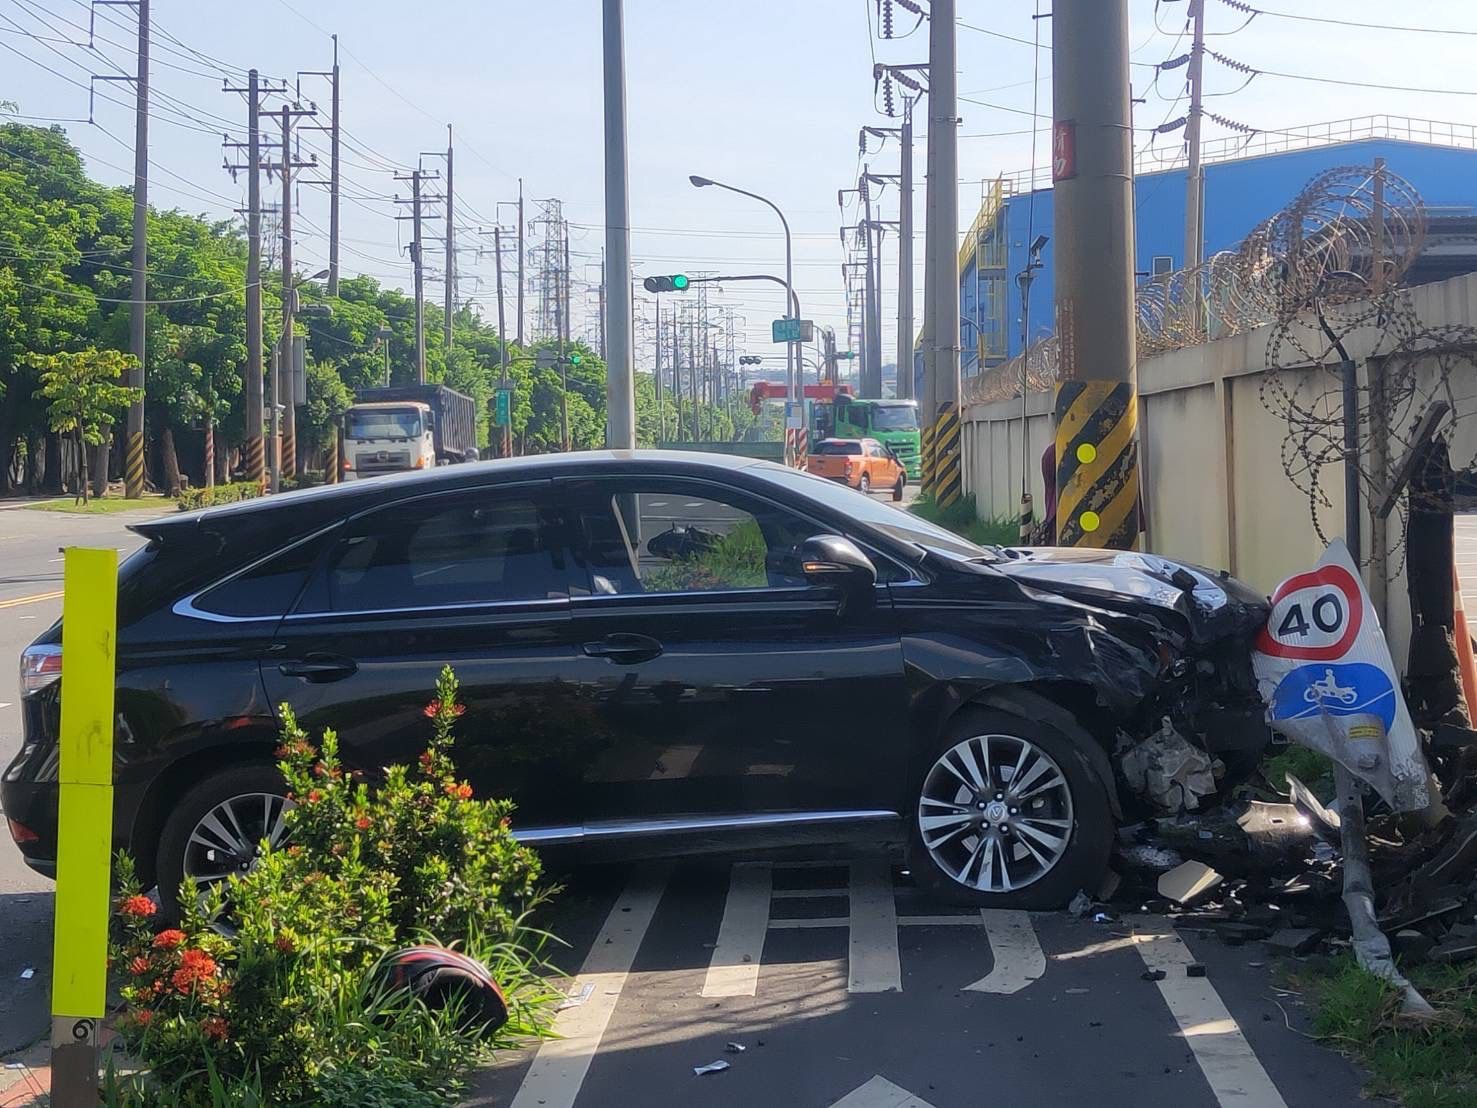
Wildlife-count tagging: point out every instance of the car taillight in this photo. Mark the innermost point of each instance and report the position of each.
(348, 465)
(40, 666)
(21, 833)
(848, 467)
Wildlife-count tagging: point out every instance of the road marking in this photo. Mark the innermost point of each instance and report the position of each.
(16, 602)
(734, 967)
(559, 1068)
(873, 924)
(881, 1093)
(805, 894)
(1017, 953)
(1226, 1058)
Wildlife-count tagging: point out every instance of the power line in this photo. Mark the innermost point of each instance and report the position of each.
(1242, 67)
(1239, 6)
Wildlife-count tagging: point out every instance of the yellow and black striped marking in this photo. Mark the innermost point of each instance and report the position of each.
(133, 473)
(1027, 519)
(1097, 465)
(289, 451)
(925, 459)
(948, 475)
(331, 467)
(255, 458)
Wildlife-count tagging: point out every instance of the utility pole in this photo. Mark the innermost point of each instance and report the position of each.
(941, 247)
(905, 258)
(871, 382)
(1096, 401)
(697, 431)
(522, 280)
(564, 342)
(450, 307)
(133, 471)
(502, 338)
(333, 181)
(621, 393)
(417, 258)
(661, 419)
(1195, 178)
(253, 447)
(288, 447)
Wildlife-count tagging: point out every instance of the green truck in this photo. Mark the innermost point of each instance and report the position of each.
(894, 423)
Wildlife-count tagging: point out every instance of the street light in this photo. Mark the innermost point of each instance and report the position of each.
(793, 303)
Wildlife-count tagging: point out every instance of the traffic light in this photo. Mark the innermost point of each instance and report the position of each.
(677, 282)
(750, 359)
(575, 359)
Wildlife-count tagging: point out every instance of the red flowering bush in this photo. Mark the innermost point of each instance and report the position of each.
(269, 982)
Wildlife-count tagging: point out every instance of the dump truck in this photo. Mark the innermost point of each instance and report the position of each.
(403, 427)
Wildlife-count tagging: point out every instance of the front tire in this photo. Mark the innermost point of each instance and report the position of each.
(897, 489)
(215, 828)
(864, 484)
(1008, 813)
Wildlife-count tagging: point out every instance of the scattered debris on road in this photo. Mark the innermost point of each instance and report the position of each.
(712, 1067)
(1188, 882)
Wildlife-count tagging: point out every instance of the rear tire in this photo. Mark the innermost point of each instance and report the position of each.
(897, 489)
(951, 865)
(251, 788)
(864, 485)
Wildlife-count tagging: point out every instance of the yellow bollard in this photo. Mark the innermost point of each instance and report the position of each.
(84, 823)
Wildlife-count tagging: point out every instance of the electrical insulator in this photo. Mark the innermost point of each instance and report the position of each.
(887, 18)
(887, 96)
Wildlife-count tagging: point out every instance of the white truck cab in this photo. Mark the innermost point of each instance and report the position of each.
(387, 437)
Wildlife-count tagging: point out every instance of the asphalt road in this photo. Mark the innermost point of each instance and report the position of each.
(846, 988)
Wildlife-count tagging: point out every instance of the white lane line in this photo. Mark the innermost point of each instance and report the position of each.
(873, 953)
(805, 894)
(734, 968)
(1226, 1058)
(938, 921)
(1017, 953)
(881, 1093)
(559, 1068)
(802, 922)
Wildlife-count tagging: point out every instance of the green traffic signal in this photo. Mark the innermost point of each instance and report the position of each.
(575, 359)
(677, 282)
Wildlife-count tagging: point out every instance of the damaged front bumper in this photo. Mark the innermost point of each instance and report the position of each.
(1169, 650)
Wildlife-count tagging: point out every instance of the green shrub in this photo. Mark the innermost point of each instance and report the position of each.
(734, 561)
(960, 518)
(271, 989)
(191, 499)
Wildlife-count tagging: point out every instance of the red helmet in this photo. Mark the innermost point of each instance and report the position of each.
(437, 976)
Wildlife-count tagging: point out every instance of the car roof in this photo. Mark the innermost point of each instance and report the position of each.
(341, 498)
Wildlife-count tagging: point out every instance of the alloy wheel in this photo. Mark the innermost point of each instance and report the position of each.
(227, 839)
(995, 813)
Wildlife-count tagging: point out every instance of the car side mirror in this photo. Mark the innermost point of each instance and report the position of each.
(833, 561)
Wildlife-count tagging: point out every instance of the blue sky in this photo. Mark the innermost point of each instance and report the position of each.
(764, 94)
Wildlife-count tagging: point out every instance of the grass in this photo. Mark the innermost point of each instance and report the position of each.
(1308, 766)
(1422, 1066)
(961, 519)
(102, 506)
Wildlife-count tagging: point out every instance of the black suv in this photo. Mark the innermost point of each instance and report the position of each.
(659, 653)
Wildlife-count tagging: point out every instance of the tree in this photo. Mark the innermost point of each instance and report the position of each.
(83, 396)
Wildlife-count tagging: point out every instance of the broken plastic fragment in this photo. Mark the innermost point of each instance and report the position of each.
(712, 1067)
(1188, 882)
(1168, 771)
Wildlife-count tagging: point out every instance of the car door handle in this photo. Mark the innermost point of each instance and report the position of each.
(319, 669)
(624, 650)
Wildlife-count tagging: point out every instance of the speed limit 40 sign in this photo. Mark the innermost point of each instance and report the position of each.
(1315, 616)
(1324, 669)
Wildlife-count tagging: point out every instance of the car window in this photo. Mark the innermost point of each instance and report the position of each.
(470, 550)
(662, 539)
(267, 590)
(839, 447)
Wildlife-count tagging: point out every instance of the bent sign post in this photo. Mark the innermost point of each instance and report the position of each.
(1325, 671)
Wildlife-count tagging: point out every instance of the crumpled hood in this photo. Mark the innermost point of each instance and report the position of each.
(1211, 605)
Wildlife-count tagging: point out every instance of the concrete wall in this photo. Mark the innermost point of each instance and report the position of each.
(1215, 488)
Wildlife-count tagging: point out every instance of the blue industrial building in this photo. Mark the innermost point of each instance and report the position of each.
(1243, 187)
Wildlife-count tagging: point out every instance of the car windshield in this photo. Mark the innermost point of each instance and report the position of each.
(894, 522)
(383, 423)
(895, 417)
(838, 446)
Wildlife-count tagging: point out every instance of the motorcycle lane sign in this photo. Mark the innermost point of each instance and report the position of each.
(1324, 669)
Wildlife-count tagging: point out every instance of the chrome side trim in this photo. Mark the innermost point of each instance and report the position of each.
(185, 605)
(616, 829)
